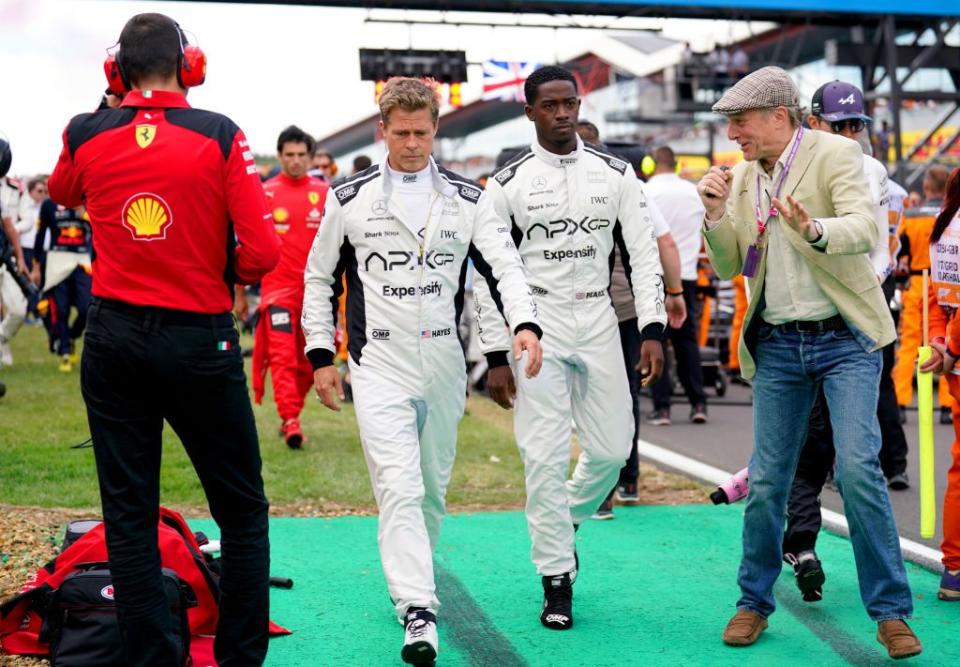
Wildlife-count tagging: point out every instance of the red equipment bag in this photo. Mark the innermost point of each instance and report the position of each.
(21, 617)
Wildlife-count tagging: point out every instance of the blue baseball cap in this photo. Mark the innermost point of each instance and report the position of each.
(838, 100)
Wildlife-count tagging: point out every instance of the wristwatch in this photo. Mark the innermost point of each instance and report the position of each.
(819, 227)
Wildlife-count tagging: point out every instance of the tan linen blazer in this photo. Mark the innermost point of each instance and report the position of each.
(827, 178)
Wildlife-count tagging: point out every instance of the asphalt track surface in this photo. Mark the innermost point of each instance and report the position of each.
(726, 441)
(656, 587)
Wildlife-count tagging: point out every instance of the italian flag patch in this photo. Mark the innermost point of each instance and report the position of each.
(224, 345)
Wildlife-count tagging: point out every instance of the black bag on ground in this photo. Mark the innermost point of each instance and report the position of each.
(77, 529)
(81, 623)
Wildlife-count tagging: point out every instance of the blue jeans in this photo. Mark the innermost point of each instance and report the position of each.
(790, 368)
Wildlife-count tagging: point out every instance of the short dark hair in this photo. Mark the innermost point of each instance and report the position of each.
(150, 46)
(936, 178)
(361, 162)
(545, 75)
(664, 157)
(35, 181)
(294, 135)
(591, 131)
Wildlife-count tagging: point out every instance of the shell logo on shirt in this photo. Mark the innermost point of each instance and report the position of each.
(147, 216)
(281, 219)
(313, 197)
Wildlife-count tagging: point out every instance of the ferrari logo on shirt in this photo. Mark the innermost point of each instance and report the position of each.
(313, 197)
(147, 216)
(145, 135)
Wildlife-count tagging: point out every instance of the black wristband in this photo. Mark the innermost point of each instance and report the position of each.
(320, 358)
(678, 292)
(529, 326)
(653, 331)
(497, 359)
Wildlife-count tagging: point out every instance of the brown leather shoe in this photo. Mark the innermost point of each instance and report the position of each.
(744, 628)
(898, 638)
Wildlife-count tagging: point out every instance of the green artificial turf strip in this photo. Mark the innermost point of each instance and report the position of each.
(656, 587)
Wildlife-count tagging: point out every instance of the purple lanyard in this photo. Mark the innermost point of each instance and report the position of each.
(761, 221)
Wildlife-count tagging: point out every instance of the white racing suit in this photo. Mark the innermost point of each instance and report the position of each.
(567, 213)
(408, 373)
(12, 299)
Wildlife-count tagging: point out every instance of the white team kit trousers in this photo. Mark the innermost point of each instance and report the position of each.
(14, 306)
(585, 381)
(409, 437)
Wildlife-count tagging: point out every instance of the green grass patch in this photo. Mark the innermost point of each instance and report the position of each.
(43, 414)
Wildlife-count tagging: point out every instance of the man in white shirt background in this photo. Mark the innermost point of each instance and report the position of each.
(678, 201)
(27, 226)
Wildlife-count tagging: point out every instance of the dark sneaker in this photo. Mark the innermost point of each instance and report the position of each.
(557, 611)
(698, 413)
(945, 416)
(292, 433)
(898, 482)
(420, 638)
(605, 511)
(659, 417)
(950, 586)
(809, 573)
(627, 493)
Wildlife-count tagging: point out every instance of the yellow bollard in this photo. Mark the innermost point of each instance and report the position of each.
(928, 488)
(928, 506)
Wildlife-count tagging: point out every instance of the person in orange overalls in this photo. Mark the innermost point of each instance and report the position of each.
(914, 258)
(740, 303)
(945, 341)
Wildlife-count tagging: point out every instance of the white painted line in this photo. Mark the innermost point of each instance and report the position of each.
(915, 552)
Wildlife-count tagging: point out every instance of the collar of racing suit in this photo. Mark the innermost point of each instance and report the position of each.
(155, 98)
(439, 184)
(558, 160)
(294, 182)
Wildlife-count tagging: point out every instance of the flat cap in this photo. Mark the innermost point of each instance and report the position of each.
(766, 88)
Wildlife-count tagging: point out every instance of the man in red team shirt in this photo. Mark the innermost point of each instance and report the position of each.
(178, 217)
(296, 201)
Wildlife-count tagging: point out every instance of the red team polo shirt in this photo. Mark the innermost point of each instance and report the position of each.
(297, 208)
(176, 205)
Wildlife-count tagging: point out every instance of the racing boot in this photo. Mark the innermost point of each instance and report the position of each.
(420, 639)
(292, 433)
(557, 611)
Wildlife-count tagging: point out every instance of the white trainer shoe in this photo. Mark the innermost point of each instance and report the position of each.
(6, 357)
(420, 639)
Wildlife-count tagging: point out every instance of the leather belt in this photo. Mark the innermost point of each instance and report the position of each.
(834, 323)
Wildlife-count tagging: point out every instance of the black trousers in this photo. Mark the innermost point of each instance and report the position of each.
(816, 458)
(630, 344)
(687, 351)
(142, 366)
(73, 291)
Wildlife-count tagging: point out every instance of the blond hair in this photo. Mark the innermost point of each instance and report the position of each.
(410, 95)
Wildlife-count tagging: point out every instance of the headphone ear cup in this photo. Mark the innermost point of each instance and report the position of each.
(193, 67)
(115, 78)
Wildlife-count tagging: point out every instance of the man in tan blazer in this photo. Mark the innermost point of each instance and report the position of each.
(795, 219)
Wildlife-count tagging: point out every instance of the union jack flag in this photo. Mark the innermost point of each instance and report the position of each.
(504, 80)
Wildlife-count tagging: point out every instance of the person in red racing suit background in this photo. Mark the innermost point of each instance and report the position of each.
(296, 201)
